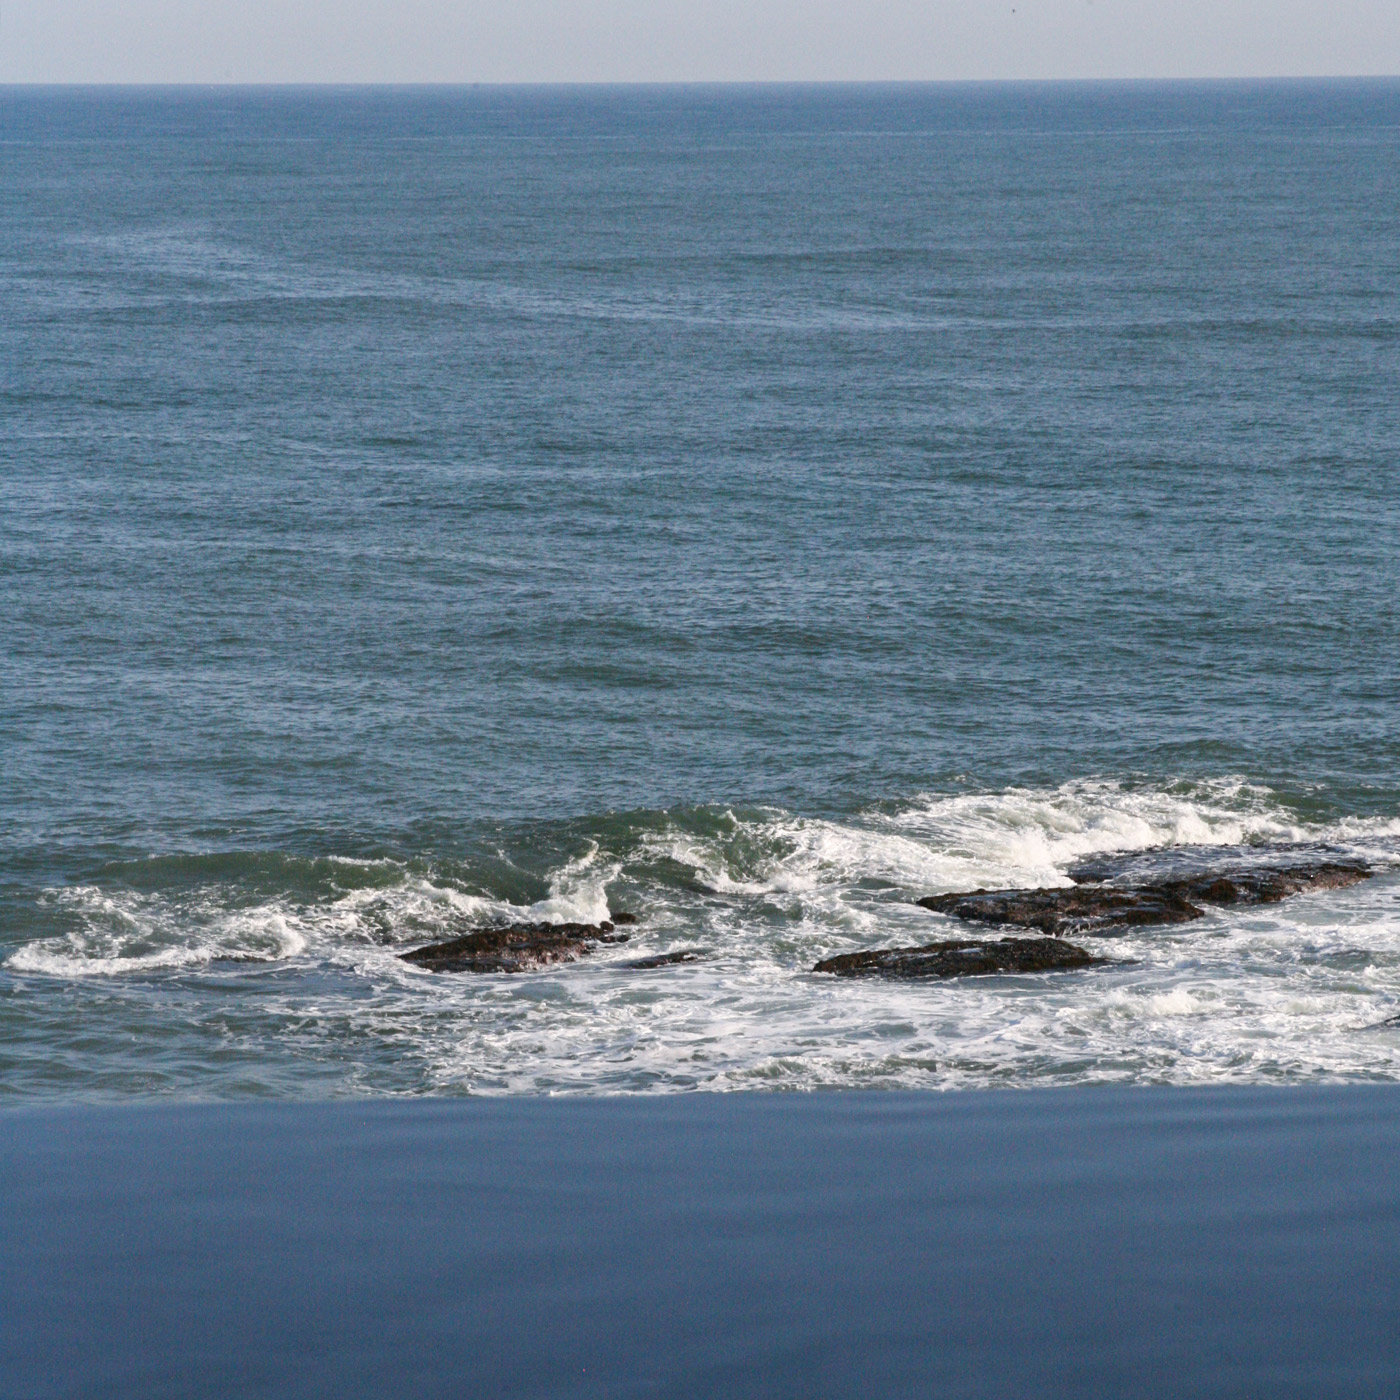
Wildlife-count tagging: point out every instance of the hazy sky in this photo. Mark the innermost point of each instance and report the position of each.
(648, 40)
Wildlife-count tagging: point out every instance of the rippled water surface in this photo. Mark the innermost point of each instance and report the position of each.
(753, 509)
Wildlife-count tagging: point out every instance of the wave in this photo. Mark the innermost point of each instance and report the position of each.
(124, 931)
(1289, 992)
(115, 931)
(1021, 837)
(188, 910)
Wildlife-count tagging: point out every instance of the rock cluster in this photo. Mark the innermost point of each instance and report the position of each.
(1110, 896)
(1102, 908)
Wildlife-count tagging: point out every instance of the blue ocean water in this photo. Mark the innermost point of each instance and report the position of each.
(751, 507)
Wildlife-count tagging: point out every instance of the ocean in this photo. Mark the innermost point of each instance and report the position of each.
(751, 508)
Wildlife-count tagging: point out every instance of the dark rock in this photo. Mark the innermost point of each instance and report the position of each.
(1198, 862)
(962, 958)
(1076, 909)
(518, 948)
(681, 955)
(622, 917)
(1269, 884)
(1108, 908)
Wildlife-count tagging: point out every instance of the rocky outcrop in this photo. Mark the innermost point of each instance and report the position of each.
(516, 948)
(962, 958)
(1116, 904)
(1112, 895)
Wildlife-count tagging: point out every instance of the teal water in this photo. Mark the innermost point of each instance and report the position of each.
(750, 507)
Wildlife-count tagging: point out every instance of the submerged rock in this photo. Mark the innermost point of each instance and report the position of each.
(681, 955)
(1159, 863)
(962, 958)
(517, 948)
(1105, 907)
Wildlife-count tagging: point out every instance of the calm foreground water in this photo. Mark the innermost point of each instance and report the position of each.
(751, 508)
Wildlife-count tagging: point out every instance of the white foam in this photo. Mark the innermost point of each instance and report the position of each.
(1018, 838)
(578, 892)
(123, 932)
(1024, 832)
(1175, 1002)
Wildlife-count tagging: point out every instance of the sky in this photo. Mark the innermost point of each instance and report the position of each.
(201, 41)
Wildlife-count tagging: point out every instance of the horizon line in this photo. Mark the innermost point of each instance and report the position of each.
(599, 83)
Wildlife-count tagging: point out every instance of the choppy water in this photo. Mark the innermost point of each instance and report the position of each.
(751, 508)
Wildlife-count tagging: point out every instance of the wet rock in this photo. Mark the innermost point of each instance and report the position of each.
(517, 948)
(681, 955)
(962, 958)
(1076, 909)
(1165, 863)
(1270, 884)
(1116, 905)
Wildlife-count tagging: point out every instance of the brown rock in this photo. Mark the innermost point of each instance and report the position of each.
(517, 948)
(1269, 884)
(962, 958)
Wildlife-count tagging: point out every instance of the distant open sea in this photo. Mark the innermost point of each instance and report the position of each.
(754, 508)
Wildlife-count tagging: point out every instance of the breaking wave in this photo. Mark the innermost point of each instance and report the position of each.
(306, 951)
